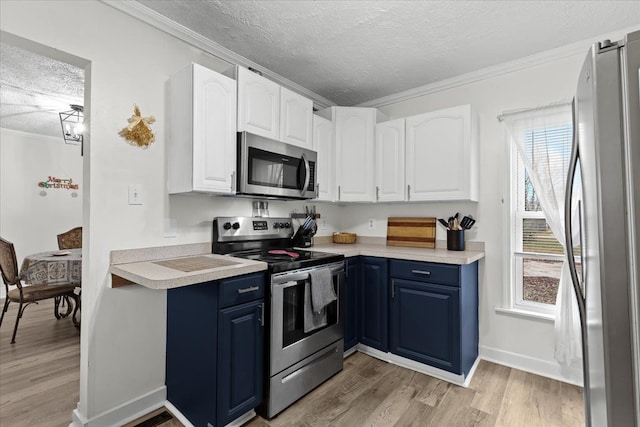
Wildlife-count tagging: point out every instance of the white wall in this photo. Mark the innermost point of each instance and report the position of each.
(521, 342)
(123, 330)
(123, 333)
(27, 219)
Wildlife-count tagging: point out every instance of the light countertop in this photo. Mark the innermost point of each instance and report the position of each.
(377, 249)
(140, 266)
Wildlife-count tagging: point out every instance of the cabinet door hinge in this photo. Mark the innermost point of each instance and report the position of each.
(262, 315)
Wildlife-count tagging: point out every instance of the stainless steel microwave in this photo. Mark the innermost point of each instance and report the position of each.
(274, 169)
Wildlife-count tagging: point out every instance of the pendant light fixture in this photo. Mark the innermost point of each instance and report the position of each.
(72, 122)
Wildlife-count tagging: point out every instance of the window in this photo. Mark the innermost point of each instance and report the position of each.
(535, 254)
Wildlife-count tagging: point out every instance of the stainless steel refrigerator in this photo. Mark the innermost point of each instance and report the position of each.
(607, 149)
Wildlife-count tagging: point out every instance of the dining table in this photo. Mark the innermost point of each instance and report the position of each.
(55, 268)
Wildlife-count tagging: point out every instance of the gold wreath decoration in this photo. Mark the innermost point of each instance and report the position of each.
(138, 131)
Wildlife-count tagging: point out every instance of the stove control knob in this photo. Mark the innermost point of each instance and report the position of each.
(236, 225)
(227, 225)
(281, 225)
(276, 225)
(287, 225)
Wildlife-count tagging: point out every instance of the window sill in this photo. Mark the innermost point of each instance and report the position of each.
(525, 314)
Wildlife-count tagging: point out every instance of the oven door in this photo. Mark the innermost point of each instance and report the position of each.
(289, 343)
(274, 168)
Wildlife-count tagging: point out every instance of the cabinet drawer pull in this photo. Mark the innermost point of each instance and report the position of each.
(251, 289)
(423, 272)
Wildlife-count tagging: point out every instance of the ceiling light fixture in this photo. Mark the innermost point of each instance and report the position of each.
(72, 122)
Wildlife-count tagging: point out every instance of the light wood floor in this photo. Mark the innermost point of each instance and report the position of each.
(40, 373)
(370, 392)
(39, 382)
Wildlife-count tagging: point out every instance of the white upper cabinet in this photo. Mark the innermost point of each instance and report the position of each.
(323, 144)
(441, 155)
(258, 104)
(267, 109)
(390, 158)
(354, 141)
(201, 149)
(296, 117)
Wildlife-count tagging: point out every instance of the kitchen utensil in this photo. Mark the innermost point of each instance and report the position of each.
(470, 224)
(444, 223)
(412, 232)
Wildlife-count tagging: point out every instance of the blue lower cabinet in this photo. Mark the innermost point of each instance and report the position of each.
(434, 314)
(240, 364)
(350, 316)
(214, 350)
(192, 346)
(374, 306)
(425, 323)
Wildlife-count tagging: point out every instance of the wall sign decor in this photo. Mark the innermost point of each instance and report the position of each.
(61, 183)
(138, 131)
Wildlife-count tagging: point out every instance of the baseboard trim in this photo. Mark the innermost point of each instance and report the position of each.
(441, 374)
(125, 412)
(176, 413)
(350, 352)
(544, 368)
(242, 419)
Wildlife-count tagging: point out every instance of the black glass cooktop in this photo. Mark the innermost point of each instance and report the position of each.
(289, 259)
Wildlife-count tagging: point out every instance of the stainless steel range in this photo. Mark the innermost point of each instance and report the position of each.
(300, 355)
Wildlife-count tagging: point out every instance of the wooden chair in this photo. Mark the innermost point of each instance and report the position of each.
(71, 239)
(25, 295)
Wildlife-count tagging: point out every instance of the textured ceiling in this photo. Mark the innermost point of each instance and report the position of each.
(355, 51)
(34, 89)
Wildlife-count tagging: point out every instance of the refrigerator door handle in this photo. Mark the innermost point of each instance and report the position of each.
(567, 218)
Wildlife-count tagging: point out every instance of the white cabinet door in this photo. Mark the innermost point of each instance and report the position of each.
(258, 104)
(441, 157)
(201, 150)
(354, 136)
(323, 144)
(390, 179)
(296, 116)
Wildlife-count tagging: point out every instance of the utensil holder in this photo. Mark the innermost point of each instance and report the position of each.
(455, 240)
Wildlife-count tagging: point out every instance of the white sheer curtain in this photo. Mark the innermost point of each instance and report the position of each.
(532, 133)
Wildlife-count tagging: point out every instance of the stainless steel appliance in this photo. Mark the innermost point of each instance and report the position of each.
(297, 361)
(606, 151)
(274, 169)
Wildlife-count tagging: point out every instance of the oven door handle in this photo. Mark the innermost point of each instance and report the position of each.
(284, 280)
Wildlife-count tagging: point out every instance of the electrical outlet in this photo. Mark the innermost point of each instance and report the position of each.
(372, 223)
(135, 194)
(323, 224)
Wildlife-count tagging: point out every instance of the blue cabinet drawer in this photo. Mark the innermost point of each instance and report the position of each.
(241, 289)
(445, 274)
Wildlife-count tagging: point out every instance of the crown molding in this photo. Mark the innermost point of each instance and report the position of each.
(151, 17)
(577, 48)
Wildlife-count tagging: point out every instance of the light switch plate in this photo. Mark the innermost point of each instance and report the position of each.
(135, 194)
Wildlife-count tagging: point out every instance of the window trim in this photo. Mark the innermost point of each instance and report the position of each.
(513, 301)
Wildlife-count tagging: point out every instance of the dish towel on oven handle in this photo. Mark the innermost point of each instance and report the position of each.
(312, 320)
(322, 293)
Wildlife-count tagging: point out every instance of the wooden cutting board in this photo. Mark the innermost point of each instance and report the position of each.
(413, 232)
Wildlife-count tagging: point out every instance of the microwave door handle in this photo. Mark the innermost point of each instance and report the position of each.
(307, 174)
